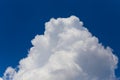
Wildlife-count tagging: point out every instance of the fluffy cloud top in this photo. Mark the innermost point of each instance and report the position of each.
(66, 51)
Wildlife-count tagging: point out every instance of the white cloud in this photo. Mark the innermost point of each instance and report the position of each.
(66, 51)
(9, 73)
(1, 79)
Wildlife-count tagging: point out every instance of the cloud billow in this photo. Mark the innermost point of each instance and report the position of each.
(66, 51)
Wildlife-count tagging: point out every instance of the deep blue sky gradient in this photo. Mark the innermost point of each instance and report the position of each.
(21, 20)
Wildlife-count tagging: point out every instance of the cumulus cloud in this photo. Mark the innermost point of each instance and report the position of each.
(66, 51)
(9, 73)
(1, 79)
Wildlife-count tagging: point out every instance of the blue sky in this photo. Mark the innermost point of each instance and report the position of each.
(21, 20)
